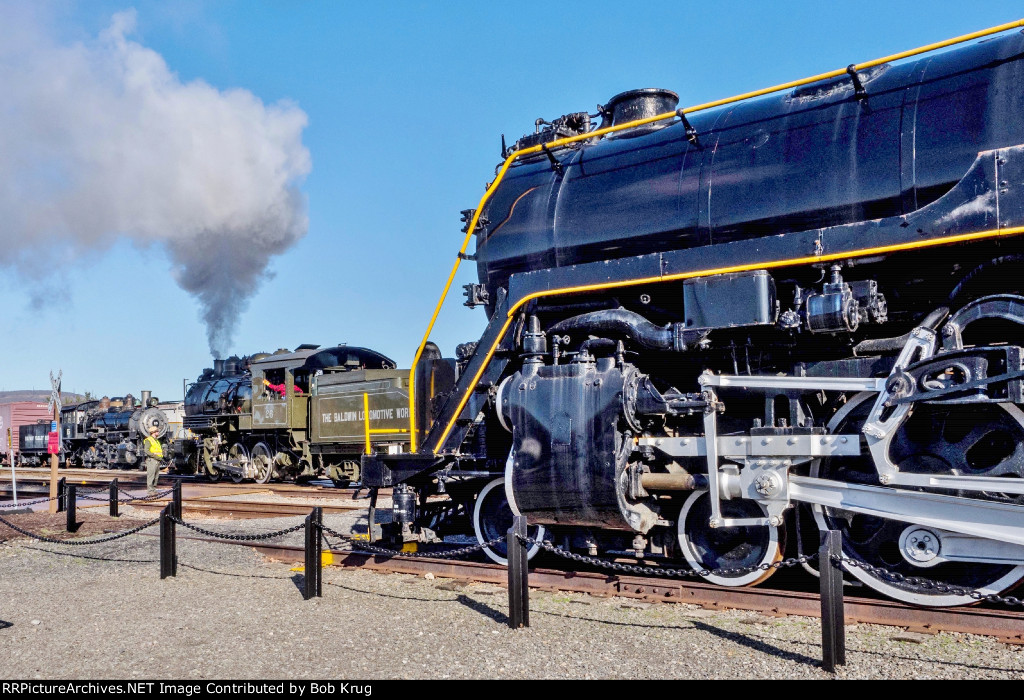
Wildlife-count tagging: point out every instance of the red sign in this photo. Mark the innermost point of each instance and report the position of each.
(52, 443)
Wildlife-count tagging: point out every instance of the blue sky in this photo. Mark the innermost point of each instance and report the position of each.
(406, 104)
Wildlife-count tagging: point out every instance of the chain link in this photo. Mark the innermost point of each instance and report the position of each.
(28, 503)
(91, 498)
(448, 554)
(658, 571)
(51, 540)
(924, 584)
(236, 538)
(151, 497)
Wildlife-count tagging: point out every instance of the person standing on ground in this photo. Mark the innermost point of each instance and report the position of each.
(154, 452)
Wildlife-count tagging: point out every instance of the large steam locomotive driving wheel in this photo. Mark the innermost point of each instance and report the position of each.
(739, 548)
(971, 440)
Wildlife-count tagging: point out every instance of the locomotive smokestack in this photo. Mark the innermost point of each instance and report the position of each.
(145, 397)
(218, 368)
(640, 104)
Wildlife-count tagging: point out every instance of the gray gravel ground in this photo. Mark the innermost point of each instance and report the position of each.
(105, 613)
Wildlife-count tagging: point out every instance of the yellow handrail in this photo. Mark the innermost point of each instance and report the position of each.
(368, 431)
(471, 228)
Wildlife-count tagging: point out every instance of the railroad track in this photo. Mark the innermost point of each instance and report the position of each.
(35, 481)
(248, 509)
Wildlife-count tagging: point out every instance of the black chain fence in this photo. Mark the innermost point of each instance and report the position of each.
(447, 554)
(152, 497)
(21, 504)
(51, 540)
(927, 585)
(913, 582)
(235, 538)
(661, 571)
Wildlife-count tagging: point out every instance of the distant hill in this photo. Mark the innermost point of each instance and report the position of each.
(38, 395)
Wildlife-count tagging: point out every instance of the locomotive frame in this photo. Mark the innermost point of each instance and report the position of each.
(600, 441)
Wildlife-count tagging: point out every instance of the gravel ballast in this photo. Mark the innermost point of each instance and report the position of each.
(102, 612)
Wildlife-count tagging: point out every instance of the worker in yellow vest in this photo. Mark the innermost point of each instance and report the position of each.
(154, 453)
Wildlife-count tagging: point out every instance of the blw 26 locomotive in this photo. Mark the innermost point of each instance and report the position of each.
(296, 414)
(714, 329)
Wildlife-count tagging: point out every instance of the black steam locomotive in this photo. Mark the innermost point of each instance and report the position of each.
(707, 328)
(106, 433)
(109, 432)
(295, 415)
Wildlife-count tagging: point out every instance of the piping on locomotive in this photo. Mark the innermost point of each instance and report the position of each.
(296, 414)
(711, 327)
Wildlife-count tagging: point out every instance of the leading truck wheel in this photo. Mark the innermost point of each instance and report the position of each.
(733, 550)
(492, 517)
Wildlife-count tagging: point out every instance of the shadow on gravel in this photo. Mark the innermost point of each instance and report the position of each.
(183, 565)
(76, 555)
(756, 644)
(4, 624)
(387, 595)
(751, 642)
(483, 609)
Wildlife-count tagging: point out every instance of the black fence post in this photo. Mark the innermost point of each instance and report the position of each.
(518, 575)
(833, 631)
(168, 553)
(71, 498)
(62, 484)
(313, 583)
(114, 502)
(176, 500)
(318, 514)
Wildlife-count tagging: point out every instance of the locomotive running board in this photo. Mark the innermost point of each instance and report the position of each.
(985, 519)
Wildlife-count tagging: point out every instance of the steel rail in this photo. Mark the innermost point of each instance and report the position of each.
(246, 509)
(492, 187)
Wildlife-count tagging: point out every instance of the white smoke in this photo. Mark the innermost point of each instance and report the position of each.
(100, 142)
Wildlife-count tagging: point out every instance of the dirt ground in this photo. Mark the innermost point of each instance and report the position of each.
(54, 525)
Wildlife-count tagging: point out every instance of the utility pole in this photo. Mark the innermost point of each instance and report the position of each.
(55, 406)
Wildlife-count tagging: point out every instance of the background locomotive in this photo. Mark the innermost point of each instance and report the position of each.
(295, 415)
(702, 326)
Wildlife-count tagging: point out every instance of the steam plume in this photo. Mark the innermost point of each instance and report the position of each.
(100, 141)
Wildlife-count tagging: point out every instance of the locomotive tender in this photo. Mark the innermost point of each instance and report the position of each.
(710, 327)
